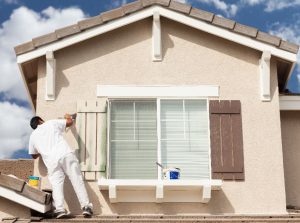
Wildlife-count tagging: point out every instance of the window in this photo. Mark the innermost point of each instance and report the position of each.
(173, 132)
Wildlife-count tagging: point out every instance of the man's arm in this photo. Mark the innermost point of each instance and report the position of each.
(69, 120)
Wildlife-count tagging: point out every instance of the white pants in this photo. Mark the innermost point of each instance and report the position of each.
(68, 165)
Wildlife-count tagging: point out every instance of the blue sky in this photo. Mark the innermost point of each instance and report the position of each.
(22, 20)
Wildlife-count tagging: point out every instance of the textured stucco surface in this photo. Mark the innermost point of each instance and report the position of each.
(290, 128)
(22, 169)
(190, 57)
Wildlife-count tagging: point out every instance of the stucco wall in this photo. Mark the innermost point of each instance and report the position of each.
(190, 57)
(290, 130)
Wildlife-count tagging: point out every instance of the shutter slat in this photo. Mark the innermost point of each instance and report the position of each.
(91, 129)
(101, 142)
(80, 122)
(237, 138)
(216, 155)
(226, 143)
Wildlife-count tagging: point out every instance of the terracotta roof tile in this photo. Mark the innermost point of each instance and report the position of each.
(24, 48)
(90, 22)
(245, 30)
(45, 39)
(201, 14)
(223, 22)
(267, 38)
(112, 14)
(157, 2)
(132, 7)
(180, 7)
(171, 4)
(291, 47)
(67, 31)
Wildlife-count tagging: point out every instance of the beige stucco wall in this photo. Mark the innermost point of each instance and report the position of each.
(190, 57)
(290, 130)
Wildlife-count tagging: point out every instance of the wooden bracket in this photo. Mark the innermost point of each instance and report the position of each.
(156, 38)
(206, 193)
(159, 193)
(112, 193)
(265, 77)
(50, 76)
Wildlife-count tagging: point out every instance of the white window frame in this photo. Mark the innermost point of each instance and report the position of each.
(158, 105)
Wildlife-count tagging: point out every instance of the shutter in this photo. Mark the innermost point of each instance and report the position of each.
(226, 140)
(91, 137)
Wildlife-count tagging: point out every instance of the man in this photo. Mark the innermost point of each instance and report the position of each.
(47, 141)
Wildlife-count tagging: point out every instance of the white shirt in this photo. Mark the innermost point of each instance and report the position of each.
(47, 140)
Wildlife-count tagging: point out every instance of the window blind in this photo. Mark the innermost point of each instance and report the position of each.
(133, 140)
(184, 137)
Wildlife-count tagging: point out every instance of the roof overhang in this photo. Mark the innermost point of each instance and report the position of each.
(289, 102)
(167, 13)
(288, 57)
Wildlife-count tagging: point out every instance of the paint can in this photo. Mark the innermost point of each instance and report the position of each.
(34, 181)
(171, 174)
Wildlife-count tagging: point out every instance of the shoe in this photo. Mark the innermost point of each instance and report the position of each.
(61, 214)
(87, 211)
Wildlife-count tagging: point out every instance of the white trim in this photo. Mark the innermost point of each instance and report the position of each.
(187, 20)
(265, 77)
(127, 91)
(20, 199)
(159, 169)
(116, 187)
(50, 76)
(209, 142)
(108, 173)
(27, 88)
(289, 103)
(156, 38)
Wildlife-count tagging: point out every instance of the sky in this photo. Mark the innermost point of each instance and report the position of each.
(22, 20)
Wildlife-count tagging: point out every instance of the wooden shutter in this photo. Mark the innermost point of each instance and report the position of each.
(226, 140)
(91, 137)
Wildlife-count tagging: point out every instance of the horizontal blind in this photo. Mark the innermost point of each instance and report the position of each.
(133, 140)
(184, 137)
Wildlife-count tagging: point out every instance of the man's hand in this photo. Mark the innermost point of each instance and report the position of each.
(69, 120)
(34, 156)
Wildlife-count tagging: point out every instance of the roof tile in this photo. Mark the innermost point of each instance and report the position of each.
(90, 22)
(223, 22)
(158, 2)
(291, 47)
(112, 14)
(180, 7)
(67, 31)
(24, 48)
(45, 39)
(132, 7)
(245, 30)
(201, 14)
(267, 38)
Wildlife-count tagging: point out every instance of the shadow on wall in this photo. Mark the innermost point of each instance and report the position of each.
(219, 204)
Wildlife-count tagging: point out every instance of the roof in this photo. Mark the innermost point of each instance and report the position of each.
(129, 8)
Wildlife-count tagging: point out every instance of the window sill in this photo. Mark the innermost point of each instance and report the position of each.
(159, 190)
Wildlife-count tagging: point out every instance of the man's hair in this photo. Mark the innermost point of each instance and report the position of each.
(34, 122)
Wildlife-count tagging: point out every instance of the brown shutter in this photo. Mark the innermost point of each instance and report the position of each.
(226, 140)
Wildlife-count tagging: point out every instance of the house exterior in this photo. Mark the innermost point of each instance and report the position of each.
(160, 81)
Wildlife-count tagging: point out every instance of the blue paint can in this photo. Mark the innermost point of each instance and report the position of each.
(172, 174)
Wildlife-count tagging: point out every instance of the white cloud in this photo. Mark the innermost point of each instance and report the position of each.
(229, 9)
(289, 32)
(15, 128)
(23, 25)
(272, 5)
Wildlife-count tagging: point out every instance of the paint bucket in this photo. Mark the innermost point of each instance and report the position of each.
(34, 181)
(171, 173)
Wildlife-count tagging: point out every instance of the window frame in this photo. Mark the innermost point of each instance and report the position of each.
(158, 125)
